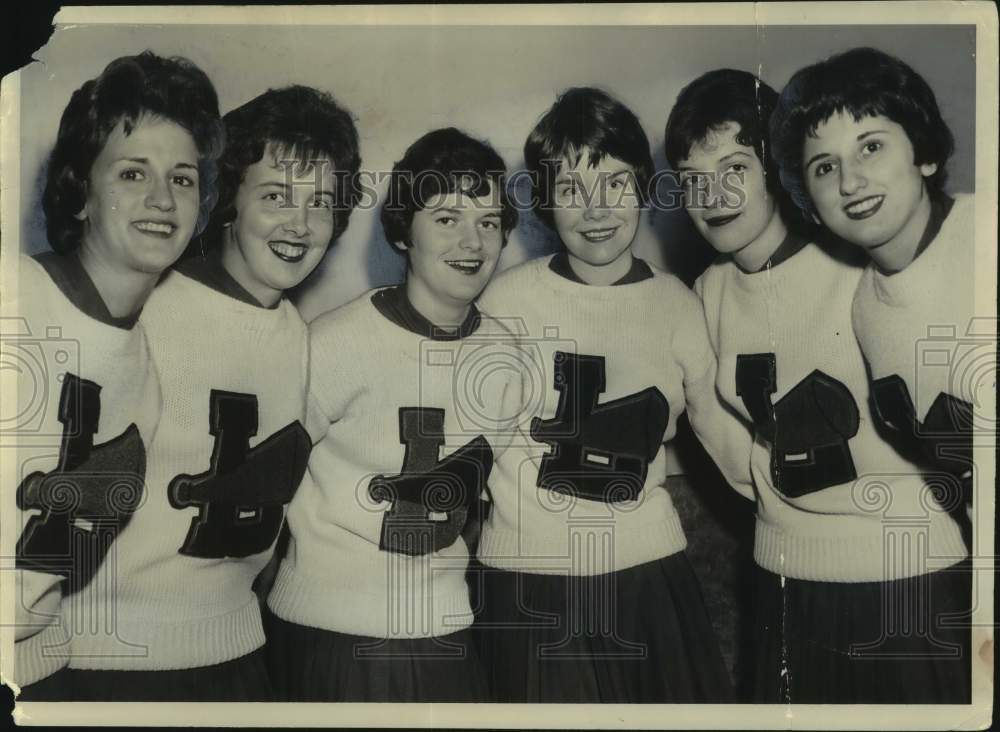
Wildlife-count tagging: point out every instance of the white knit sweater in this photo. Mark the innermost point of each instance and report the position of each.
(835, 502)
(228, 454)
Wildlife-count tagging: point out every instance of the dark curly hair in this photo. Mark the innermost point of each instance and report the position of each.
(719, 97)
(862, 82)
(584, 118)
(440, 162)
(300, 123)
(173, 89)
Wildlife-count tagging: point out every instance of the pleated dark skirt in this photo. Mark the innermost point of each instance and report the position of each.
(900, 642)
(240, 680)
(641, 635)
(312, 665)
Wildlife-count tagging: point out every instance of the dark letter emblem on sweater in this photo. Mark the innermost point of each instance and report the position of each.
(808, 428)
(945, 436)
(431, 498)
(88, 498)
(241, 497)
(600, 452)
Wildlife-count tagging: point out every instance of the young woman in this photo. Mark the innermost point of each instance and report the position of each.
(371, 601)
(587, 593)
(862, 147)
(230, 448)
(129, 182)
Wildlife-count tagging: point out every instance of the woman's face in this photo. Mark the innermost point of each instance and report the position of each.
(284, 223)
(142, 197)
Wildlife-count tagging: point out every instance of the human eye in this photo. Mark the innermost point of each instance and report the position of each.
(871, 147)
(184, 181)
(738, 168)
(490, 224)
(445, 220)
(132, 174)
(823, 168)
(274, 197)
(321, 203)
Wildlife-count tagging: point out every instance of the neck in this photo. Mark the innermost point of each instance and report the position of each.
(123, 290)
(236, 265)
(896, 254)
(602, 274)
(755, 255)
(440, 313)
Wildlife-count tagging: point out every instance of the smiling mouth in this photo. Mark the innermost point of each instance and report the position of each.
(864, 208)
(288, 251)
(595, 236)
(717, 221)
(466, 266)
(161, 229)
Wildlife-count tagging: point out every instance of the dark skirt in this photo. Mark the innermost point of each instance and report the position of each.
(900, 642)
(313, 665)
(640, 635)
(240, 680)
(56, 687)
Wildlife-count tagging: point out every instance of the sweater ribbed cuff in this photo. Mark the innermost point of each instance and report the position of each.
(417, 609)
(41, 655)
(584, 549)
(889, 553)
(137, 644)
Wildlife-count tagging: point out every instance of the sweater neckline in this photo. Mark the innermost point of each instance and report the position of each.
(393, 304)
(71, 278)
(638, 272)
(209, 271)
(590, 293)
(899, 286)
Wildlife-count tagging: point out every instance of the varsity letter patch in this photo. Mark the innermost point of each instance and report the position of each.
(88, 498)
(431, 498)
(808, 428)
(241, 497)
(600, 452)
(945, 435)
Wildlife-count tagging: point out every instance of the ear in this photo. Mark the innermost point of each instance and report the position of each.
(81, 215)
(928, 169)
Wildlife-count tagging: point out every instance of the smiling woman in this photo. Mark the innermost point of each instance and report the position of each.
(129, 175)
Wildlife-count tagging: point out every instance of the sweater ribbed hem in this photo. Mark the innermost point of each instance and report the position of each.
(324, 603)
(137, 644)
(890, 552)
(585, 549)
(41, 655)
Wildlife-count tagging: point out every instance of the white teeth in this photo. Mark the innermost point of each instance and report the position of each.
(469, 266)
(154, 227)
(866, 205)
(286, 249)
(598, 234)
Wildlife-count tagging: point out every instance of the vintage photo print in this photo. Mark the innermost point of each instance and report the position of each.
(556, 366)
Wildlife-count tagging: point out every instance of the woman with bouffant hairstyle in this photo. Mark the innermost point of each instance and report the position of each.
(130, 180)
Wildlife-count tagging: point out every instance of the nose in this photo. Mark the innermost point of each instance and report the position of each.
(851, 178)
(160, 196)
(297, 221)
(596, 210)
(472, 237)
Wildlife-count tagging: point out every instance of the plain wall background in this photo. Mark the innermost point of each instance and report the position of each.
(493, 82)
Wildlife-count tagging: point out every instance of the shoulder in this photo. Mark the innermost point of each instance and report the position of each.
(353, 315)
(671, 290)
(710, 281)
(508, 286)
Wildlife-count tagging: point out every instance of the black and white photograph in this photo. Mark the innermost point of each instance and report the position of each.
(554, 366)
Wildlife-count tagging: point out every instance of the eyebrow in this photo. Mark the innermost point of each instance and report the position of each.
(859, 138)
(145, 161)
